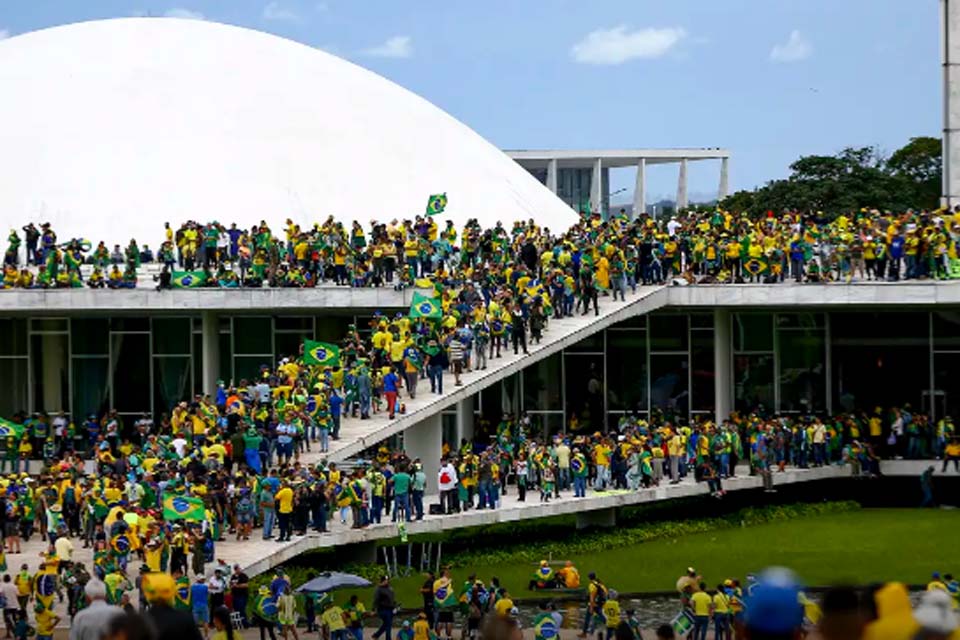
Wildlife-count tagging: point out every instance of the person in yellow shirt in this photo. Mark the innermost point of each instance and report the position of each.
(284, 500)
(601, 457)
(721, 613)
(46, 622)
(421, 628)
(702, 605)
(333, 620)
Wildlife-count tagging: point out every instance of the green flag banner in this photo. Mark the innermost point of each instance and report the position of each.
(10, 429)
(321, 353)
(188, 279)
(436, 204)
(424, 307)
(177, 507)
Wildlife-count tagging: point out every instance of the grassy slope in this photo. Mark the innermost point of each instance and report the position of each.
(861, 547)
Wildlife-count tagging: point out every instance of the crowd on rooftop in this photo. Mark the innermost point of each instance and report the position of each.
(713, 246)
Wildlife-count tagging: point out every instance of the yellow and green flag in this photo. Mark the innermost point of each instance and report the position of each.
(187, 279)
(436, 204)
(178, 507)
(423, 307)
(321, 353)
(10, 429)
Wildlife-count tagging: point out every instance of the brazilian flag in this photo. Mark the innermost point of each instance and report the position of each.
(424, 307)
(10, 429)
(436, 204)
(755, 266)
(177, 507)
(321, 353)
(182, 598)
(265, 606)
(188, 279)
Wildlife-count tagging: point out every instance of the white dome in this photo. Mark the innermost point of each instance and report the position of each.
(110, 128)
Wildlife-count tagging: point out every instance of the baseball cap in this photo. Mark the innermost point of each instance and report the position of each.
(773, 605)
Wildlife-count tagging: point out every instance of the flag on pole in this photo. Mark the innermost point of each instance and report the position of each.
(177, 507)
(321, 353)
(424, 307)
(436, 204)
(187, 279)
(10, 429)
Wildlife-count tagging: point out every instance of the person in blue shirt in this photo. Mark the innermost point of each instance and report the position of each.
(336, 406)
(390, 391)
(200, 603)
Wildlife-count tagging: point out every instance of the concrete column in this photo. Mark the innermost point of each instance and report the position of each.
(724, 179)
(210, 352)
(722, 364)
(640, 189)
(465, 419)
(601, 518)
(596, 187)
(950, 61)
(552, 176)
(682, 186)
(424, 440)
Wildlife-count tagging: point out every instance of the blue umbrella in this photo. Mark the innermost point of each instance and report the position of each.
(330, 580)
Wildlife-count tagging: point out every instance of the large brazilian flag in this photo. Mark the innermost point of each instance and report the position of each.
(321, 353)
(436, 204)
(10, 429)
(423, 307)
(188, 279)
(177, 507)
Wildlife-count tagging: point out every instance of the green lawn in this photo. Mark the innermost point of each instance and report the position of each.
(860, 547)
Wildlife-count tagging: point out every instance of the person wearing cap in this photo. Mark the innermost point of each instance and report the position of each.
(773, 609)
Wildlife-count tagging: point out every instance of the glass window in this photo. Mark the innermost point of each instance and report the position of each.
(634, 322)
(89, 336)
(803, 377)
(542, 385)
(753, 382)
(50, 382)
(584, 389)
(668, 332)
(593, 342)
(702, 375)
(627, 371)
(13, 337)
(171, 382)
(91, 388)
(48, 324)
(669, 383)
(171, 336)
(752, 332)
(872, 328)
(800, 320)
(129, 324)
(879, 373)
(15, 385)
(252, 335)
(545, 425)
(946, 389)
(946, 330)
(131, 382)
(248, 367)
(294, 323)
(288, 344)
(701, 321)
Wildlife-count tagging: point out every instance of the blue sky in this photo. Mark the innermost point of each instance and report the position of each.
(768, 79)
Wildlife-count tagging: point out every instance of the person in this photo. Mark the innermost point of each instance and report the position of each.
(46, 621)
(334, 620)
(200, 603)
(384, 603)
(665, 632)
(596, 596)
(421, 627)
(611, 616)
(842, 615)
(721, 614)
(10, 606)
(169, 623)
(89, 622)
(354, 612)
(546, 623)
(222, 625)
(445, 600)
(426, 593)
(240, 592)
(926, 486)
(287, 613)
(773, 607)
(702, 604)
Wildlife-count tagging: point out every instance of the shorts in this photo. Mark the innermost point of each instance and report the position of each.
(201, 615)
(445, 617)
(11, 529)
(244, 519)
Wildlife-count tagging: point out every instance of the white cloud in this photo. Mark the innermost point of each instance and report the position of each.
(796, 48)
(179, 12)
(619, 44)
(395, 47)
(4, 34)
(275, 11)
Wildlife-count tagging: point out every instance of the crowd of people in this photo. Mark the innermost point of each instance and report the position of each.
(712, 246)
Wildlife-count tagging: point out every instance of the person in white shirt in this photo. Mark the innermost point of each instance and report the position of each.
(9, 592)
(64, 549)
(447, 483)
(217, 586)
(179, 445)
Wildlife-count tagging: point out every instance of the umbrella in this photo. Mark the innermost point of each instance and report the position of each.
(330, 580)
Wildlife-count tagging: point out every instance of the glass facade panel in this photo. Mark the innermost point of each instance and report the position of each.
(89, 336)
(124, 323)
(247, 367)
(543, 385)
(879, 329)
(584, 387)
(627, 370)
(288, 344)
(592, 343)
(13, 337)
(946, 385)
(702, 375)
(800, 320)
(252, 335)
(50, 371)
(171, 336)
(753, 382)
(668, 333)
(803, 373)
(48, 324)
(545, 425)
(171, 382)
(130, 353)
(15, 385)
(669, 383)
(302, 324)
(884, 375)
(946, 330)
(91, 387)
(636, 322)
(753, 332)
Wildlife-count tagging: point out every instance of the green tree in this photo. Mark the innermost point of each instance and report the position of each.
(920, 162)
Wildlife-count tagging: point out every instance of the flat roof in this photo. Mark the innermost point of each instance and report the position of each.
(584, 158)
